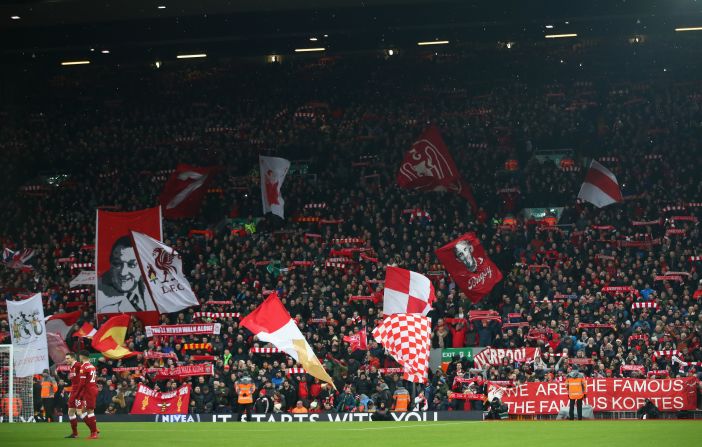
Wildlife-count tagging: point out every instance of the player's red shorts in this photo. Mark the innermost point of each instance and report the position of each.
(74, 402)
(89, 397)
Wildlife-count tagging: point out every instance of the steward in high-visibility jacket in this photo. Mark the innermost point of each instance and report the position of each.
(401, 399)
(245, 389)
(48, 390)
(576, 392)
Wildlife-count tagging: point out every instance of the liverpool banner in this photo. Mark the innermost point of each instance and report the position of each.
(492, 356)
(148, 401)
(602, 394)
(474, 273)
(120, 286)
(178, 372)
(184, 329)
(162, 267)
(28, 333)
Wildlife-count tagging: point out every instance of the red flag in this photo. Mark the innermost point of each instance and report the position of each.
(407, 292)
(473, 271)
(407, 337)
(600, 186)
(86, 331)
(184, 191)
(109, 339)
(62, 323)
(148, 401)
(57, 347)
(428, 166)
(359, 340)
(120, 286)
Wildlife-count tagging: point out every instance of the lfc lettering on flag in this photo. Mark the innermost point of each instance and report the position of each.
(162, 267)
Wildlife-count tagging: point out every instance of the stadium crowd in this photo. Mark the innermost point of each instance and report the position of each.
(346, 125)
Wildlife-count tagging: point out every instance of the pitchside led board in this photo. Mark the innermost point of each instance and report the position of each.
(120, 287)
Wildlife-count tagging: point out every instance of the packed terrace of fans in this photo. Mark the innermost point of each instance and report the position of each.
(346, 124)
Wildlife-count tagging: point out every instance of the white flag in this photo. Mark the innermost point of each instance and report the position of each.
(273, 172)
(28, 331)
(85, 277)
(162, 268)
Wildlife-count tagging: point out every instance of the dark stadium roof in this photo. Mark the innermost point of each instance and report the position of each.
(69, 28)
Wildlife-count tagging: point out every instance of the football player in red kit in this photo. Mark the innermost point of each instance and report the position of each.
(87, 391)
(75, 406)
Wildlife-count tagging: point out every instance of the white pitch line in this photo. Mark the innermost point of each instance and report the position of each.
(428, 424)
(223, 430)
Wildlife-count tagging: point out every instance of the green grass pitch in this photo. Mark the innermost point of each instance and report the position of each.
(366, 434)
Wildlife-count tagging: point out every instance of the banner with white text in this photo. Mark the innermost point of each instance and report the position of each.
(602, 395)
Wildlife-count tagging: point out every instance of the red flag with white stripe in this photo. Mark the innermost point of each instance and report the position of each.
(86, 331)
(185, 190)
(600, 186)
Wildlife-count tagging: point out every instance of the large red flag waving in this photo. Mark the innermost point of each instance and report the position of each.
(184, 191)
(466, 261)
(428, 166)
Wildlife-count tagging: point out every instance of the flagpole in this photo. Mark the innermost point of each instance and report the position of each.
(97, 247)
(141, 268)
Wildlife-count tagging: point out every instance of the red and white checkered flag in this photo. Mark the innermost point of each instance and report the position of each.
(407, 292)
(407, 337)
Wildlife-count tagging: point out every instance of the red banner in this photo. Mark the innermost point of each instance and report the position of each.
(185, 190)
(148, 401)
(428, 166)
(466, 261)
(494, 356)
(183, 329)
(120, 286)
(602, 394)
(178, 372)
(150, 355)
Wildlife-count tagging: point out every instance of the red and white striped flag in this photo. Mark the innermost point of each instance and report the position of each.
(86, 331)
(600, 186)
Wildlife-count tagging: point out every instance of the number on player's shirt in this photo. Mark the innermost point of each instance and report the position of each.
(92, 375)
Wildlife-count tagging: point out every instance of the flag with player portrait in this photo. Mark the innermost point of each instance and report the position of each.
(470, 267)
(120, 287)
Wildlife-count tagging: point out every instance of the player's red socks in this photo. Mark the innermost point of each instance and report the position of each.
(74, 424)
(86, 419)
(90, 420)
